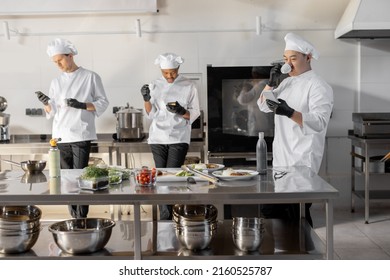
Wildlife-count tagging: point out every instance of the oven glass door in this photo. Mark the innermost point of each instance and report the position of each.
(234, 118)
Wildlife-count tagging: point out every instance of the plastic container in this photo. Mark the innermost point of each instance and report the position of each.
(114, 177)
(261, 154)
(94, 184)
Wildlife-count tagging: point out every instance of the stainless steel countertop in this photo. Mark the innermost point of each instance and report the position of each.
(300, 184)
(43, 139)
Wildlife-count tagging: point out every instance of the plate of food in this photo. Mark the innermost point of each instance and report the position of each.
(231, 174)
(208, 167)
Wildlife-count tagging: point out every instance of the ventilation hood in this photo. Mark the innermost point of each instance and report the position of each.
(365, 19)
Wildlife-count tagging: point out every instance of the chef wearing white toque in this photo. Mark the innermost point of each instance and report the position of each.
(303, 110)
(75, 99)
(172, 104)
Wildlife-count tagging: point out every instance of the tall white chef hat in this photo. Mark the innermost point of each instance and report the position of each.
(297, 43)
(61, 46)
(169, 61)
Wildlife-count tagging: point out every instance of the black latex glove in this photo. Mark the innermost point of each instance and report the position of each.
(177, 109)
(71, 102)
(274, 75)
(280, 108)
(145, 91)
(43, 97)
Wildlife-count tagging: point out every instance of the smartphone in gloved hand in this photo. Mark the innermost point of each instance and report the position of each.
(268, 94)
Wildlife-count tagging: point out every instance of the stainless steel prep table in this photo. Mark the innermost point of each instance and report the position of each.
(299, 185)
(143, 147)
(39, 144)
(369, 147)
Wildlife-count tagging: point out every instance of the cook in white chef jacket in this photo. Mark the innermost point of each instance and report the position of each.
(302, 110)
(172, 104)
(75, 99)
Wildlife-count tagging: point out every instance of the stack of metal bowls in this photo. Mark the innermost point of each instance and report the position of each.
(82, 236)
(247, 233)
(19, 228)
(195, 225)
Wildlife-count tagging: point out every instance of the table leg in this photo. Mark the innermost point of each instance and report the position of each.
(137, 232)
(110, 151)
(329, 229)
(367, 187)
(118, 157)
(155, 227)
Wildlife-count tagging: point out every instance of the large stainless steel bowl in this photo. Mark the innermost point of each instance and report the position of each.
(196, 225)
(20, 217)
(19, 228)
(195, 212)
(195, 240)
(247, 233)
(11, 243)
(82, 236)
(244, 222)
(247, 242)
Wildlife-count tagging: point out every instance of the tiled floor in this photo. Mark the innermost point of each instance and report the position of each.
(355, 240)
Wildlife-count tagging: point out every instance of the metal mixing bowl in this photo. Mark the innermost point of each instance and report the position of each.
(247, 233)
(247, 242)
(13, 243)
(33, 166)
(195, 240)
(195, 212)
(243, 222)
(82, 236)
(195, 225)
(20, 217)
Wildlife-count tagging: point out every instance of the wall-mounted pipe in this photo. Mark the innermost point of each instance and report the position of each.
(6, 30)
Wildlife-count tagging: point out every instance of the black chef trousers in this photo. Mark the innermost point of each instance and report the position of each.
(288, 211)
(75, 156)
(168, 156)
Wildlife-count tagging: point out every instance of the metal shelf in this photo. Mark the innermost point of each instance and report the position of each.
(368, 147)
(135, 243)
(282, 240)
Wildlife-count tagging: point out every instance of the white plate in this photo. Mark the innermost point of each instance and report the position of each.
(251, 174)
(215, 168)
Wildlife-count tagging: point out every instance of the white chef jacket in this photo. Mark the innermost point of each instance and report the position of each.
(71, 124)
(167, 127)
(293, 145)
